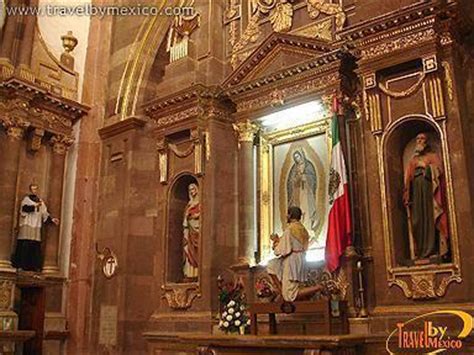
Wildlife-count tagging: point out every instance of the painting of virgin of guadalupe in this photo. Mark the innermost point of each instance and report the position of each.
(300, 180)
(301, 188)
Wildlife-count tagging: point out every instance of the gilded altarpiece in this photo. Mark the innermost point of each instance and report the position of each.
(317, 71)
(196, 157)
(407, 90)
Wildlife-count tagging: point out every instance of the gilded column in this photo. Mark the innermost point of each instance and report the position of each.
(247, 232)
(60, 145)
(10, 149)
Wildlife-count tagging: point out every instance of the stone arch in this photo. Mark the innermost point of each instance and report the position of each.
(141, 58)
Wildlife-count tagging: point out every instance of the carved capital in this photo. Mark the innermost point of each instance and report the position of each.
(181, 296)
(246, 131)
(15, 127)
(12, 118)
(61, 143)
(36, 139)
(15, 133)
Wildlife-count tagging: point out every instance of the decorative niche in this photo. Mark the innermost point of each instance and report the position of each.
(178, 200)
(183, 243)
(420, 277)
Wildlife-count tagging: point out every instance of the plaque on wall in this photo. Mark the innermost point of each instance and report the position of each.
(108, 325)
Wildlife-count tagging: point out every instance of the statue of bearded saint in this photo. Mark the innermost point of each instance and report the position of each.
(191, 225)
(424, 198)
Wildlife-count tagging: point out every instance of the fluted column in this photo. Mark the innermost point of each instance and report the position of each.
(10, 149)
(247, 232)
(60, 145)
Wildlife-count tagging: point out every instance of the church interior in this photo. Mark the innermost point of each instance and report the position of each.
(236, 177)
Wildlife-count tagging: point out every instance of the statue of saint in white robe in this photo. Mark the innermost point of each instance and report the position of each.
(289, 266)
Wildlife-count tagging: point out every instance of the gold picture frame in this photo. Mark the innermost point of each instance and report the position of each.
(268, 141)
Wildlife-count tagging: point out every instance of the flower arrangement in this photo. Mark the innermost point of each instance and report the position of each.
(233, 314)
(264, 288)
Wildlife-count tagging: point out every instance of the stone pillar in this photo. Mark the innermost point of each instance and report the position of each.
(54, 202)
(10, 149)
(26, 46)
(9, 35)
(246, 134)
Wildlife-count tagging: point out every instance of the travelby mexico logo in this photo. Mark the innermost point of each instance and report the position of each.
(425, 335)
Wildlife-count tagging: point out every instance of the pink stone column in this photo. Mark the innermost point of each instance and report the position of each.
(247, 229)
(54, 202)
(10, 149)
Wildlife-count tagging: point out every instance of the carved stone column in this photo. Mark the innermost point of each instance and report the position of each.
(10, 149)
(56, 182)
(246, 134)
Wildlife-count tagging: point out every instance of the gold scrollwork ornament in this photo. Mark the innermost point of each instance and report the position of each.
(317, 7)
(61, 143)
(246, 131)
(280, 13)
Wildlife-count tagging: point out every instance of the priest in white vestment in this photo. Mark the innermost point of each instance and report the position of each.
(288, 269)
(33, 215)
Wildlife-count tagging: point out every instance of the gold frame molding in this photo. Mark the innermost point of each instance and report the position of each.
(419, 282)
(265, 172)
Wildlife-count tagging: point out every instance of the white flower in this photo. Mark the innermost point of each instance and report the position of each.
(237, 322)
(248, 321)
(231, 311)
(242, 307)
(231, 303)
(224, 314)
(237, 315)
(229, 318)
(226, 324)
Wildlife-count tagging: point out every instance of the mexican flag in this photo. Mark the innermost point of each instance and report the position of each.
(339, 221)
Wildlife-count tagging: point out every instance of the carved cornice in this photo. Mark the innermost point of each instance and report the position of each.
(198, 102)
(176, 117)
(26, 75)
(187, 96)
(407, 28)
(277, 97)
(408, 41)
(407, 19)
(293, 74)
(24, 104)
(274, 40)
(122, 126)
